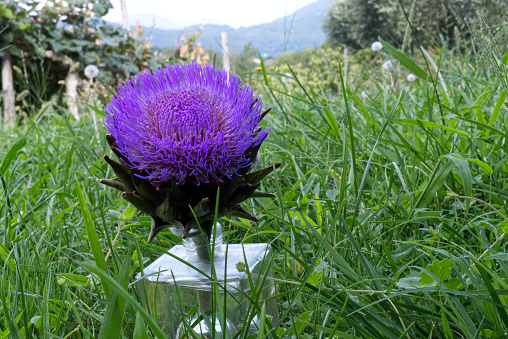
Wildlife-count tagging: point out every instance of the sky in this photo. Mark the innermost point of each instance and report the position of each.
(235, 13)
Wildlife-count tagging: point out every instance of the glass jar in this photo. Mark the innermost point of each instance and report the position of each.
(194, 286)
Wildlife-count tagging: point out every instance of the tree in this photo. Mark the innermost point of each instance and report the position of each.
(245, 61)
(358, 23)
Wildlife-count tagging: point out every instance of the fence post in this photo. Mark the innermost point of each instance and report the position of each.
(8, 90)
(125, 17)
(226, 62)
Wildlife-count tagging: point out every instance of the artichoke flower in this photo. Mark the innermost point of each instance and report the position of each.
(186, 137)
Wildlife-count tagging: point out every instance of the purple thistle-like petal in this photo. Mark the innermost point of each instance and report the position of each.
(185, 121)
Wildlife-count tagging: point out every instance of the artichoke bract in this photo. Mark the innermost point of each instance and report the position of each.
(186, 138)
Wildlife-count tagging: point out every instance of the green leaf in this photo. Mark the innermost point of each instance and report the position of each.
(479, 124)
(505, 59)
(486, 168)
(441, 269)
(498, 256)
(495, 115)
(454, 284)
(465, 173)
(11, 155)
(4, 254)
(139, 328)
(6, 12)
(60, 215)
(446, 325)
(93, 239)
(503, 227)
(73, 280)
(404, 60)
(315, 279)
(300, 324)
(113, 319)
(262, 319)
(128, 214)
(435, 184)
(423, 123)
(487, 280)
(263, 69)
(409, 283)
(332, 194)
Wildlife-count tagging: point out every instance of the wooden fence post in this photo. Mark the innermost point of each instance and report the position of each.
(226, 62)
(8, 90)
(125, 18)
(71, 91)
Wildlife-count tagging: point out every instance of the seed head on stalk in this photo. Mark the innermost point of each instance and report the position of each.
(181, 133)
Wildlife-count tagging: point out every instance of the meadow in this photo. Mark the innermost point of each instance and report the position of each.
(389, 219)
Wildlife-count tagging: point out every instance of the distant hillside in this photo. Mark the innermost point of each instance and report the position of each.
(304, 29)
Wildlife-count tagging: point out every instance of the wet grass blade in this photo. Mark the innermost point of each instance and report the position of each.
(113, 284)
(11, 155)
(405, 61)
(93, 239)
(113, 319)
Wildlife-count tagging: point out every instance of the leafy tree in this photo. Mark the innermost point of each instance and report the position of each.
(357, 23)
(244, 62)
(301, 58)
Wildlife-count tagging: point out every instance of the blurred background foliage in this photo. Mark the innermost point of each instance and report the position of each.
(357, 23)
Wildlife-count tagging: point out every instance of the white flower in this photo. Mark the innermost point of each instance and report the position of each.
(376, 46)
(91, 71)
(387, 65)
(287, 78)
(364, 95)
(411, 77)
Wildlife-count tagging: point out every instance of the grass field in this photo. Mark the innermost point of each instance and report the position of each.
(389, 219)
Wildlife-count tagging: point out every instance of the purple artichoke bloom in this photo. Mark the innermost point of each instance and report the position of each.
(186, 122)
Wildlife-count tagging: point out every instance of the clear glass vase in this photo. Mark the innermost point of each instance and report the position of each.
(194, 286)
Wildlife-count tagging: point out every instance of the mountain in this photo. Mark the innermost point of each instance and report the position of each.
(147, 20)
(303, 29)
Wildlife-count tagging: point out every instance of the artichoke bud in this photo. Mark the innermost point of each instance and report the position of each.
(255, 177)
(181, 205)
(146, 189)
(122, 173)
(244, 192)
(202, 208)
(113, 183)
(227, 210)
(260, 194)
(243, 213)
(166, 211)
(139, 202)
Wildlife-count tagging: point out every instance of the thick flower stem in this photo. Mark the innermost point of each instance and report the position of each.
(202, 250)
(204, 300)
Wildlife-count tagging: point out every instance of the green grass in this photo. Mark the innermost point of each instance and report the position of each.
(389, 219)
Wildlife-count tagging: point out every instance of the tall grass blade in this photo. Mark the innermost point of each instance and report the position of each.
(113, 319)
(113, 284)
(405, 61)
(11, 155)
(93, 239)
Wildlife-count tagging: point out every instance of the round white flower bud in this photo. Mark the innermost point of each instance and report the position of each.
(376, 46)
(387, 65)
(411, 77)
(91, 71)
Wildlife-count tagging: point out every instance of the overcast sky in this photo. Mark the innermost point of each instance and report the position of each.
(235, 13)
